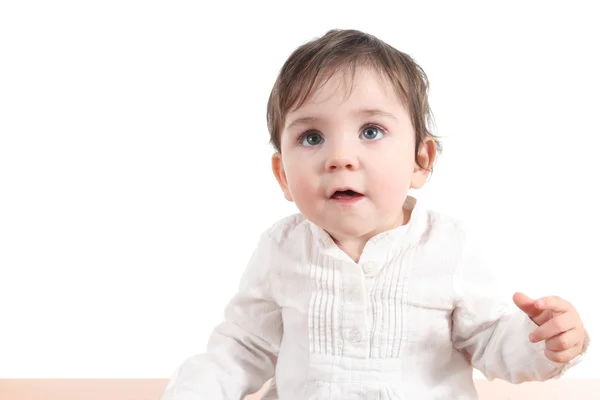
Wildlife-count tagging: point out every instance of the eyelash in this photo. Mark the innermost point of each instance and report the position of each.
(304, 134)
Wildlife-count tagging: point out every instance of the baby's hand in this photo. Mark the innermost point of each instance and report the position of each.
(559, 325)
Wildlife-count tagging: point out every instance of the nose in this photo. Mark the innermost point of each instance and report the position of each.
(336, 163)
(341, 157)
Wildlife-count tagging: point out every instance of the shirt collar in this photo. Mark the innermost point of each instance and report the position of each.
(379, 246)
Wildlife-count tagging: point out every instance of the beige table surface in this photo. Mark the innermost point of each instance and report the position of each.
(151, 389)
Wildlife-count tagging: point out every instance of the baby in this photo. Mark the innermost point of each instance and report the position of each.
(366, 294)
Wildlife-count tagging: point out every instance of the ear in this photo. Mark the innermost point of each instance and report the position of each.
(279, 172)
(425, 157)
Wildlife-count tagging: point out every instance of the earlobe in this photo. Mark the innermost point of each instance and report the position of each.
(424, 163)
(279, 172)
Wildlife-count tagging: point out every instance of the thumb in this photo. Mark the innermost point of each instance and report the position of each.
(526, 304)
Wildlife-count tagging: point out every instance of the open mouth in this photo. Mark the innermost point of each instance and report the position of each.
(345, 195)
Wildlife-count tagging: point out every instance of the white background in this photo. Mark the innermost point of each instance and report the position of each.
(135, 166)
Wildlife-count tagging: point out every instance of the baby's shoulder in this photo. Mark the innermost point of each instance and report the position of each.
(442, 226)
(291, 228)
(442, 222)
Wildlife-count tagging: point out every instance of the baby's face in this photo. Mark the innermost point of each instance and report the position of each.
(348, 162)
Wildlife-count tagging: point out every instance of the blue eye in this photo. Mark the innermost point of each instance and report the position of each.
(372, 133)
(312, 139)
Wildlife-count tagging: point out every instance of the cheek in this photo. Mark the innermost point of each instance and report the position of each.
(303, 186)
(394, 173)
(305, 194)
(393, 184)
(302, 183)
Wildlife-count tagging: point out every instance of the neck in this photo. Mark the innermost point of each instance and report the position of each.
(354, 246)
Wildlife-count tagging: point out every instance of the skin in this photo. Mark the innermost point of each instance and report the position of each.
(361, 138)
(559, 323)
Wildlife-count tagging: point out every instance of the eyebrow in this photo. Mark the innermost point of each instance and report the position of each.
(367, 112)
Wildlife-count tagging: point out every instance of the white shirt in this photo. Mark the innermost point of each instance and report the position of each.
(409, 321)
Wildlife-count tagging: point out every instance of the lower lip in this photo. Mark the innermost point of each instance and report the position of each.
(347, 200)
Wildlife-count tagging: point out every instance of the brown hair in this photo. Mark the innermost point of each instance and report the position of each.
(314, 63)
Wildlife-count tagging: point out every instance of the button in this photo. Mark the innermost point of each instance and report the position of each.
(369, 267)
(354, 294)
(355, 336)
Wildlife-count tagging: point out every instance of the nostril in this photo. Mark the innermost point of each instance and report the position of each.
(340, 163)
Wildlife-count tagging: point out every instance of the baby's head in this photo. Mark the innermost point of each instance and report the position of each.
(349, 119)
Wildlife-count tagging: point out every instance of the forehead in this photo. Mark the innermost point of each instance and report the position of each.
(343, 83)
(362, 88)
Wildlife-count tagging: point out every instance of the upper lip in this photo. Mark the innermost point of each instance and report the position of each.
(343, 189)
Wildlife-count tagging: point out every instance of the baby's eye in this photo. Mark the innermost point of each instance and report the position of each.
(372, 133)
(312, 139)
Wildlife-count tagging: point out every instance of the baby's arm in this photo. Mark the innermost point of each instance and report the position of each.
(242, 350)
(492, 333)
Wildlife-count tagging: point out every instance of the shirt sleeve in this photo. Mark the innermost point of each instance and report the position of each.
(242, 350)
(492, 332)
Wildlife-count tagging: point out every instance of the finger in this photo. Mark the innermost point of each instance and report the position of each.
(563, 356)
(564, 341)
(557, 325)
(544, 317)
(526, 304)
(553, 303)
